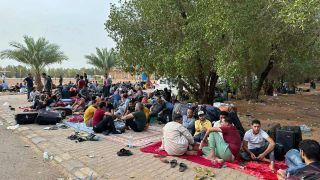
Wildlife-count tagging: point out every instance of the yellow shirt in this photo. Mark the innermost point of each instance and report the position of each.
(88, 114)
(199, 125)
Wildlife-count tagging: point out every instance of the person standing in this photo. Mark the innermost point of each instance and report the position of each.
(107, 85)
(47, 83)
(29, 81)
(60, 80)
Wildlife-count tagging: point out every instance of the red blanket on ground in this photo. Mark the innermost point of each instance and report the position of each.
(260, 170)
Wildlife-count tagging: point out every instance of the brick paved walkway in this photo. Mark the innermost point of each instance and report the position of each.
(74, 157)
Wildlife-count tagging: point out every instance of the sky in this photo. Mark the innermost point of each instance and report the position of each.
(77, 26)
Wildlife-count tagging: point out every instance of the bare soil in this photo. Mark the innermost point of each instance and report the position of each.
(293, 109)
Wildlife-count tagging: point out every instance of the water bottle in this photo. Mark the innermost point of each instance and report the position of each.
(45, 156)
(168, 119)
(130, 143)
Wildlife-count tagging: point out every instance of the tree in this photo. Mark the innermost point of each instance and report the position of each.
(165, 38)
(103, 60)
(201, 40)
(36, 54)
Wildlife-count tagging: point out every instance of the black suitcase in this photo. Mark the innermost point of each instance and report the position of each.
(47, 117)
(297, 134)
(279, 152)
(26, 117)
(271, 129)
(67, 111)
(289, 137)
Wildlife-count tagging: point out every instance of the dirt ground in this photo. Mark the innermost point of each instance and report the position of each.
(293, 109)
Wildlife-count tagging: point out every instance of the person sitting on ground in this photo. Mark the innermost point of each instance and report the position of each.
(79, 104)
(176, 138)
(188, 121)
(93, 98)
(255, 146)
(201, 126)
(39, 102)
(98, 114)
(299, 162)
(223, 115)
(49, 100)
(123, 105)
(88, 114)
(33, 94)
(220, 149)
(136, 120)
(116, 98)
(109, 107)
(157, 109)
(130, 108)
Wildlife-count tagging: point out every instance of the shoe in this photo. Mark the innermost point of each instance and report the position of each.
(182, 167)
(173, 163)
(124, 152)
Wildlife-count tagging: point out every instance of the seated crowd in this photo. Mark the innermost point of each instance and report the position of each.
(222, 139)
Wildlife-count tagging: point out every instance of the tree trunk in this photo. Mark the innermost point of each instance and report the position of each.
(38, 80)
(207, 97)
(263, 76)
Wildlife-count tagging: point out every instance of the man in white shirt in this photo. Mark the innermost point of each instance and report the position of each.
(176, 138)
(255, 146)
(217, 124)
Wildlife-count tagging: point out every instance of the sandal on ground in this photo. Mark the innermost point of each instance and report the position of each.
(124, 152)
(173, 163)
(182, 167)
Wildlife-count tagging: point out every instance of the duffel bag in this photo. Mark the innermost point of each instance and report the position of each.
(26, 117)
(47, 117)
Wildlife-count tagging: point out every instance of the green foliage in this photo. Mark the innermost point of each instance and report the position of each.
(103, 60)
(239, 40)
(35, 54)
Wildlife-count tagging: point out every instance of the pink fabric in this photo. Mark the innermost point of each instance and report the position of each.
(260, 170)
(76, 118)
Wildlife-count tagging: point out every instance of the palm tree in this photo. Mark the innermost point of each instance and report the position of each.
(103, 60)
(36, 54)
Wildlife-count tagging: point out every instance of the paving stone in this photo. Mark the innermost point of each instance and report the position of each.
(65, 156)
(87, 171)
(79, 174)
(58, 159)
(31, 135)
(37, 139)
(22, 128)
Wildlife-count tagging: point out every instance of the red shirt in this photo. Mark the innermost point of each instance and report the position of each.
(97, 116)
(81, 83)
(232, 137)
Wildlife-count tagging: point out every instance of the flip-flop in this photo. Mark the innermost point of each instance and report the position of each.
(124, 152)
(182, 167)
(173, 163)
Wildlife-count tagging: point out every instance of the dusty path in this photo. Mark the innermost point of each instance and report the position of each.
(18, 162)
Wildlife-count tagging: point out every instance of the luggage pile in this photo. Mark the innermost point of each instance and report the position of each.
(42, 117)
(285, 137)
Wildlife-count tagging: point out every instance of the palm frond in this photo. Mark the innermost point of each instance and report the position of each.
(103, 60)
